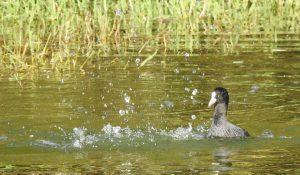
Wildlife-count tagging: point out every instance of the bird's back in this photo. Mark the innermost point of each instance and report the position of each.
(227, 130)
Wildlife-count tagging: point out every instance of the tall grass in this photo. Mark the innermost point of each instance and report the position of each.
(67, 33)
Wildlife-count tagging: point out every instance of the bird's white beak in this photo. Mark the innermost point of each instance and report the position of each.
(213, 99)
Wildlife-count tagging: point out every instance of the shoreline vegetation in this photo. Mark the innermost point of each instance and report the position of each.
(67, 34)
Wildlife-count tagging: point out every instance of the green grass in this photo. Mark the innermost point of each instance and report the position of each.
(66, 34)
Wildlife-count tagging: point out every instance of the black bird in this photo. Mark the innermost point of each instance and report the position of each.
(220, 127)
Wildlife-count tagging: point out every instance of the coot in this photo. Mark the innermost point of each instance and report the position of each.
(220, 127)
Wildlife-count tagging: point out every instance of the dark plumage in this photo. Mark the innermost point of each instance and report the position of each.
(220, 127)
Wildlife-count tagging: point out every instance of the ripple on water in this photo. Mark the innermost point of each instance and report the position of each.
(3, 138)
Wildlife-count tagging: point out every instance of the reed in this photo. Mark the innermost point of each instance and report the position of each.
(68, 33)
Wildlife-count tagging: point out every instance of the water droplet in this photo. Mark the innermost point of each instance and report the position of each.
(254, 88)
(187, 89)
(122, 112)
(52, 61)
(193, 117)
(126, 98)
(177, 71)
(194, 92)
(118, 12)
(194, 71)
(137, 61)
(186, 54)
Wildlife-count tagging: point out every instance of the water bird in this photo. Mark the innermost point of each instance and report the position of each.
(220, 127)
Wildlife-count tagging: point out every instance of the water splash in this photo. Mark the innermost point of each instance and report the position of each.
(112, 131)
(80, 138)
(117, 136)
(182, 133)
(267, 134)
(3, 138)
(46, 143)
(167, 104)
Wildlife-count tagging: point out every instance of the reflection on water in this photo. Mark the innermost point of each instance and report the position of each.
(222, 161)
(118, 118)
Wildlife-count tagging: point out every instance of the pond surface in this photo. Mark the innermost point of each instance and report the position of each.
(117, 118)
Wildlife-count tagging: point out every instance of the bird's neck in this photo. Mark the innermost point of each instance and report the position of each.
(220, 113)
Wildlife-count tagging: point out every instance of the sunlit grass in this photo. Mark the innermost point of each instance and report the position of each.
(67, 34)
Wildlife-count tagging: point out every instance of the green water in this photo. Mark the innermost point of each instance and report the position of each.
(116, 118)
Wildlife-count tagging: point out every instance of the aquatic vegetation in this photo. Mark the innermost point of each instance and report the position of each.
(68, 34)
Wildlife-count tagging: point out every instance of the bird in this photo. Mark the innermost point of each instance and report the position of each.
(220, 127)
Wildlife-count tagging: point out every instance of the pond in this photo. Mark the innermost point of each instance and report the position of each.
(118, 118)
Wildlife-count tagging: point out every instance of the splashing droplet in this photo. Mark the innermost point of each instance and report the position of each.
(254, 88)
(112, 130)
(126, 98)
(122, 112)
(194, 92)
(186, 54)
(193, 117)
(137, 61)
(194, 71)
(267, 134)
(118, 12)
(187, 89)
